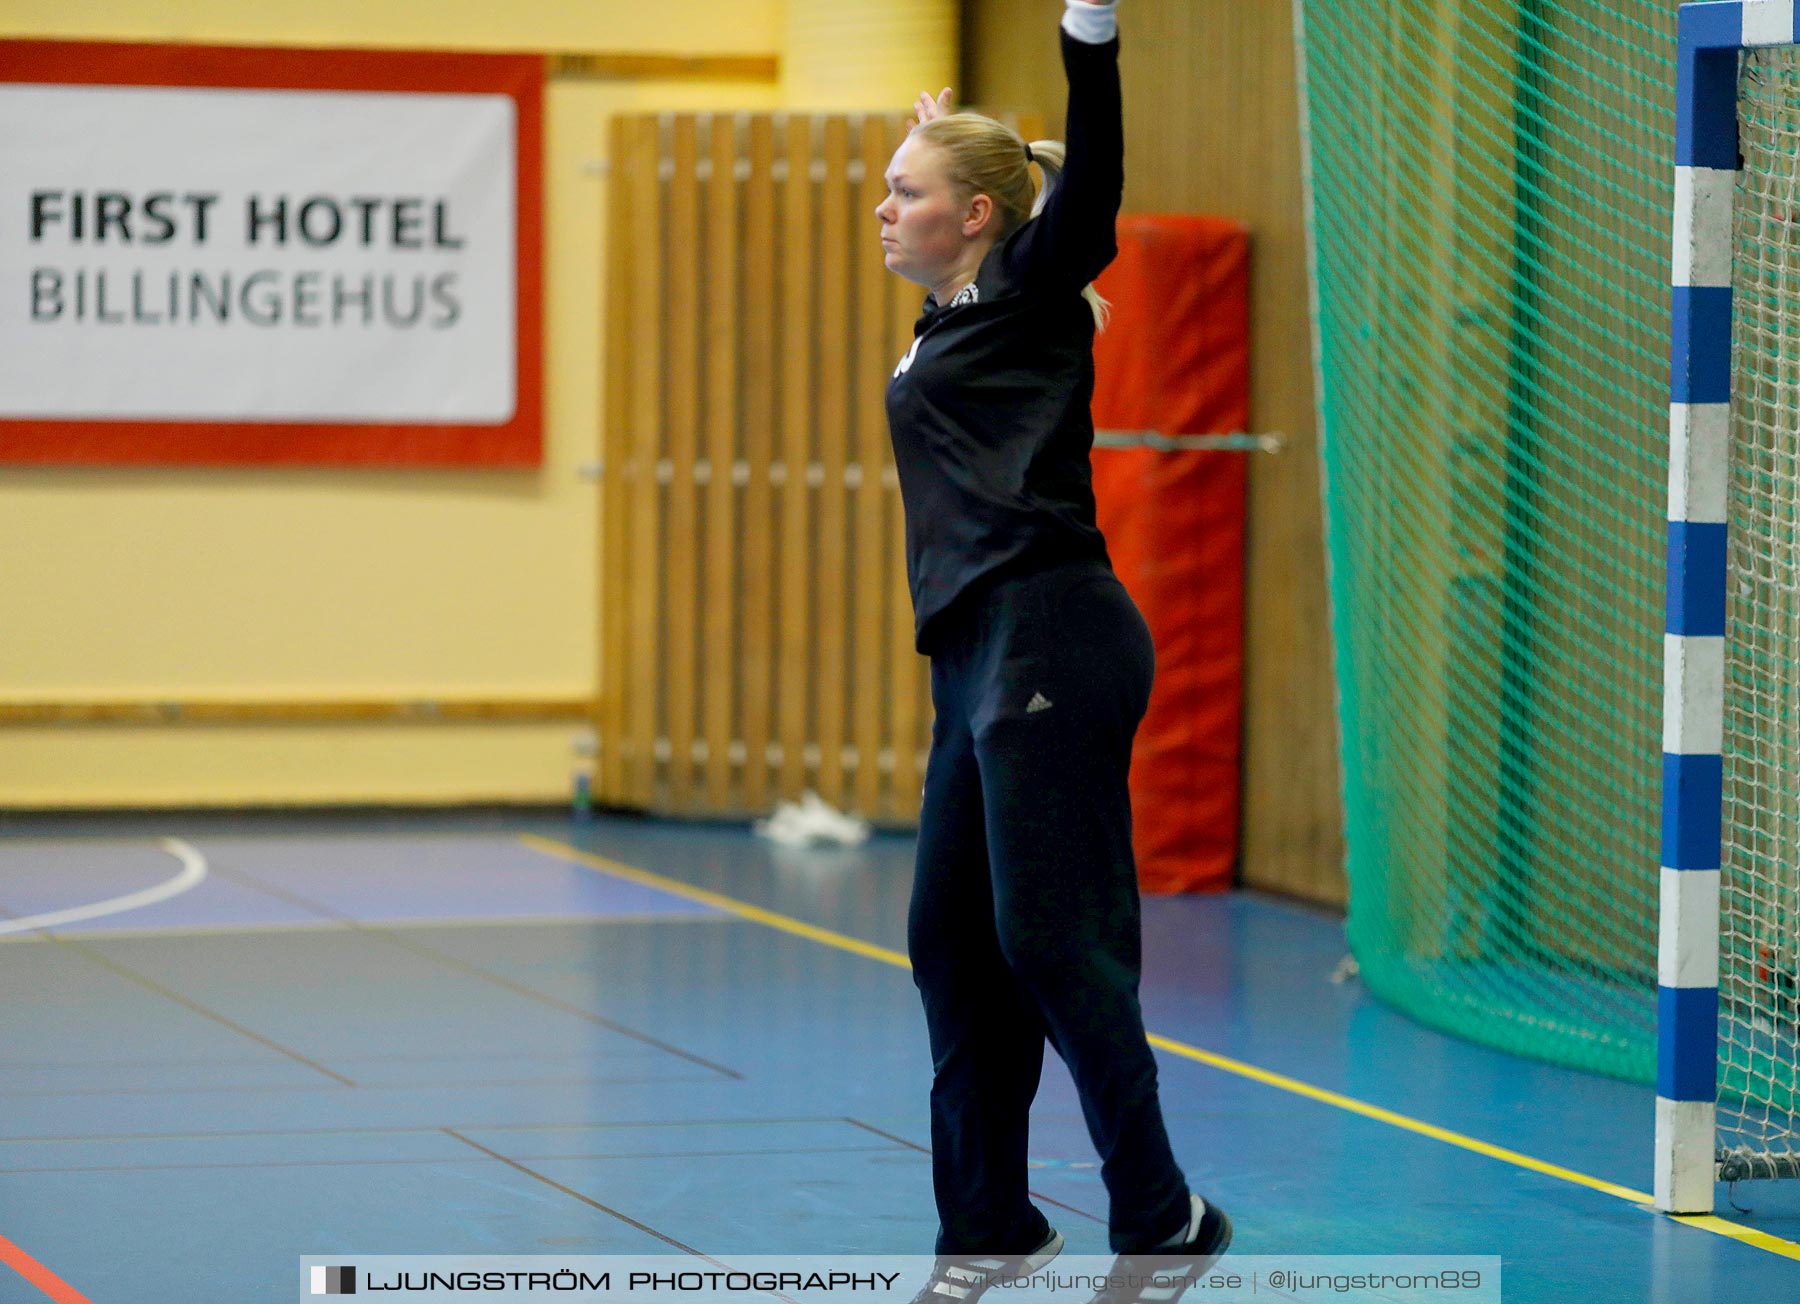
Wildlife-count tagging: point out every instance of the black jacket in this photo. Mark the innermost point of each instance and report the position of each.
(989, 411)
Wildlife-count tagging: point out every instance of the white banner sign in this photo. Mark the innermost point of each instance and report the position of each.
(215, 254)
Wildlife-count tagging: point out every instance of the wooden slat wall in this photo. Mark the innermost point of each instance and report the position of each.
(642, 276)
(681, 282)
(874, 579)
(757, 630)
(794, 646)
(839, 251)
(616, 414)
(722, 345)
(759, 347)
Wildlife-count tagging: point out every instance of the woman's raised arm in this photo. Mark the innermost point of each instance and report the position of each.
(1073, 237)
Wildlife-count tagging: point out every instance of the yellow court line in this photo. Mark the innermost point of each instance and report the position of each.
(1354, 1106)
(1707, 1223)
(744, 909)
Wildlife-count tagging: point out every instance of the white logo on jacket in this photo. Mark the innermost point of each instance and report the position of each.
(968, 294)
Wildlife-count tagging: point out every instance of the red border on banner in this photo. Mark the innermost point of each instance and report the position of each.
(516, 442)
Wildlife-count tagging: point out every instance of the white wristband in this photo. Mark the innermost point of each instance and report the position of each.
(1091, 24)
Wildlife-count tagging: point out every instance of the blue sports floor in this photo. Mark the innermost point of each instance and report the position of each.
(518, 1035)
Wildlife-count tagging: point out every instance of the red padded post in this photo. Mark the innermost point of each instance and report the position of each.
(1175, 358)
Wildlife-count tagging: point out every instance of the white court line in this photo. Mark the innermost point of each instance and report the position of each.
(379, 925)
(193, 873)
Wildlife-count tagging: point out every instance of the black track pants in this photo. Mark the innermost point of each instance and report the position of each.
(1024, 921)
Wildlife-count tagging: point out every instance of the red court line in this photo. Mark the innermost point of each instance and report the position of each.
(38, 1275)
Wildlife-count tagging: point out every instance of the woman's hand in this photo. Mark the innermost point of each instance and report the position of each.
(928, 108)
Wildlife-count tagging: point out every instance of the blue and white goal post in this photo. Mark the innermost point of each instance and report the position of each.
(1712, 38)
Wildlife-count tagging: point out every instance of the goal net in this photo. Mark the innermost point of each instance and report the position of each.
(1490, 194)
(1759, 887)
(1490, 203)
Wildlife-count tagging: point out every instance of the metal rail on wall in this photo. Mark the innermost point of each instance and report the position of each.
(1235, 442)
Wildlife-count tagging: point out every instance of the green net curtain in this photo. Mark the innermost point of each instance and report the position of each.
(1491, 188)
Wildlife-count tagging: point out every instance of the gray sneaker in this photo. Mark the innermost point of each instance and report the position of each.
(1162, 1276)
(961, 1280)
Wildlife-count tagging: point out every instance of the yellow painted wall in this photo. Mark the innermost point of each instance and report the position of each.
(859, 54)
(325, 585)
(293, 584)
(660, 26)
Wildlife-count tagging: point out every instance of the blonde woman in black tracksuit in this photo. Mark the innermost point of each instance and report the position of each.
(1024, 924)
